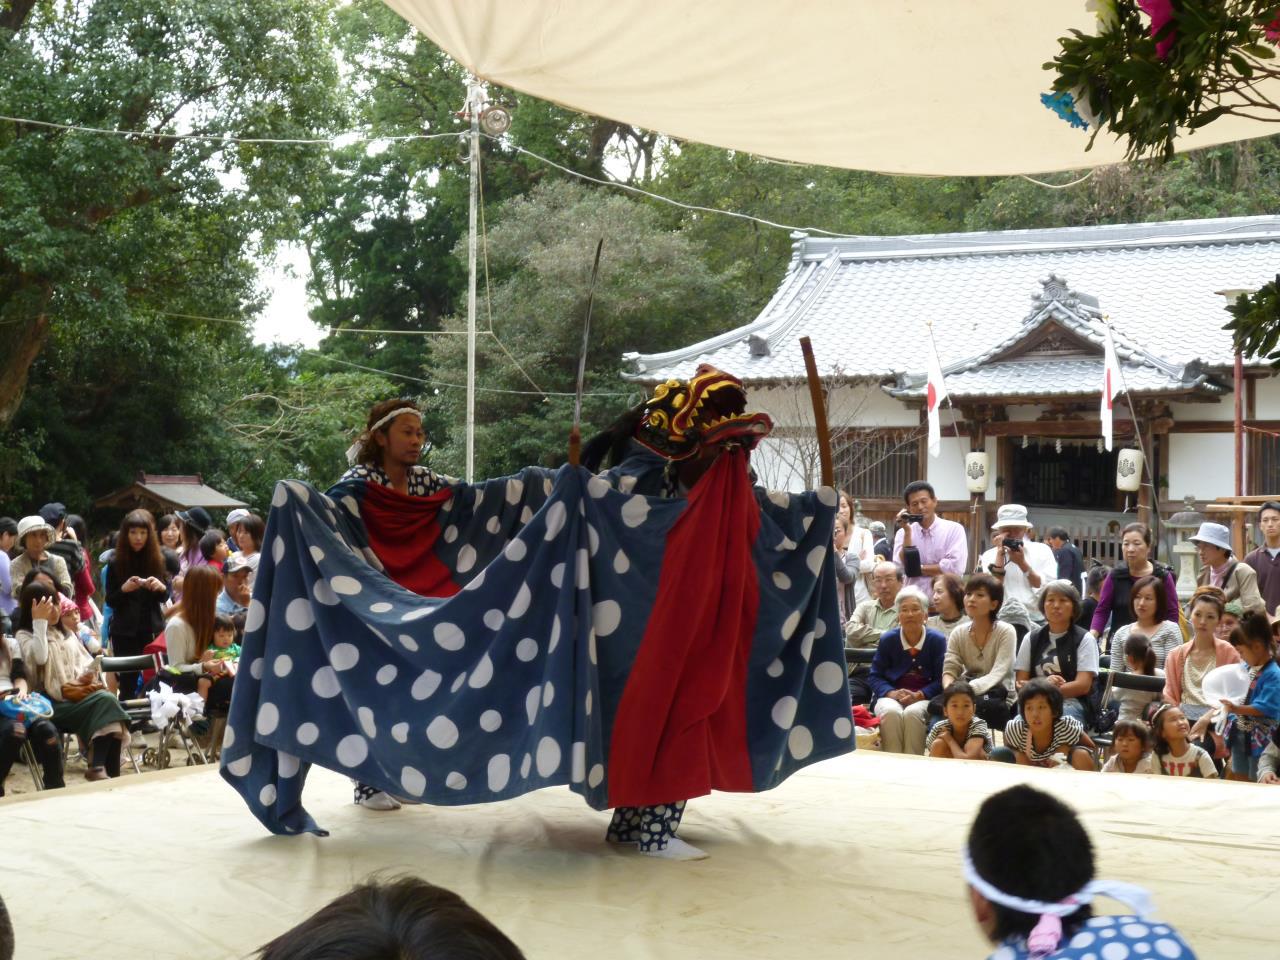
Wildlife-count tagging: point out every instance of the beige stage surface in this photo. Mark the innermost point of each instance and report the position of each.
(852, 854)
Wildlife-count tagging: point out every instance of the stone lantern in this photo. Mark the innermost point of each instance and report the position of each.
(1181, 526)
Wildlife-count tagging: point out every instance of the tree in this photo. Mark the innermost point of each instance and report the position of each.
(654, 292)
(106, 231)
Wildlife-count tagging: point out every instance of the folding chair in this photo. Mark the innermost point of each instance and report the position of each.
(1124, 681)
(28, 755)
(138, 710)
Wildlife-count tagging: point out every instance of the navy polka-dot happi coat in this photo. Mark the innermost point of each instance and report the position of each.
(577, 633)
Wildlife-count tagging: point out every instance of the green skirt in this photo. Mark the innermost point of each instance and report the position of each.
(91, 714)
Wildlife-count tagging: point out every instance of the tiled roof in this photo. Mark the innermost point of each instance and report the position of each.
(1057, 378)
(864, 302)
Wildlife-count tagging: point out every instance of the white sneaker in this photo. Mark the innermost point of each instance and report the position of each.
(379, 801)
(677, 849)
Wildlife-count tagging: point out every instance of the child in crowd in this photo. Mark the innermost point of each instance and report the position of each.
(213, 547)
(1041, 735)
(1231, 614)
(1029, 866)
(224, 647)
(1176, 755)
(1130, 746)
(960, 735)
(1139, 658)
(1250, 725)
(70, 620)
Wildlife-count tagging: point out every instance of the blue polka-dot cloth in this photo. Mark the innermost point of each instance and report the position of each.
(512, 684)
(1111, 938)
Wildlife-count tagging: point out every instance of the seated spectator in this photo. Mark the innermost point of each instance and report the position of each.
(189, 633)
(1139, 659)
(1061, 651)
(224, 648)
(1093, 586)
(137, 588)
(1029, 866)
(1147, 603)
(948, 600)
(870, 620)
(249, 540)
(1231, 614)
(1269, 762)
(981, 652)
(1219, 568)
(61, 669)
(70, 621)
(1250, 725)
(6, 934)
(1185, 667)
(1176, 755)
(404, 919)
(33, 537)
(1130, 749)
(959, 734)
(39, 732)
(906, 673)
(8, 602)
(235, 594)
(1042, 735)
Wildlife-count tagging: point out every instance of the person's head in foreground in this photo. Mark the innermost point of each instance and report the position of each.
(1029, 866)
(402, 919)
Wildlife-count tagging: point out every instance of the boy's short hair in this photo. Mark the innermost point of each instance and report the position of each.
(406, 918)
(1040, 687)
(1031, 845)
(1132, 728)
(958, 688)
(223, 622)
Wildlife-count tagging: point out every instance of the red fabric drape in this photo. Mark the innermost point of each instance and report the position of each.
(403, 531)
(681, 726)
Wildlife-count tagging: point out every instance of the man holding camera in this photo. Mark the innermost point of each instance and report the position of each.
(1023, 565)
(926, 544)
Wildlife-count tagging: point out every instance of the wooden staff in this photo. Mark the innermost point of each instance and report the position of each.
(819, 414)
(575, 432)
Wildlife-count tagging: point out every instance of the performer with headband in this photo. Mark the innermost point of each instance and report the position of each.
(1029, 866)
(387, 453)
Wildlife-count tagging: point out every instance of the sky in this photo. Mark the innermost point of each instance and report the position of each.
(285, 318)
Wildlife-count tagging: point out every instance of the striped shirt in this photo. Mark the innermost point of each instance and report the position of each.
(1067, 732)
(977, 728)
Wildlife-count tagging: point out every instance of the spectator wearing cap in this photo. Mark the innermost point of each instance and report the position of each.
(1023, 566)
(8, 602)
(234, 519)
(195, 524)
(1218, 568)
(34, 535)
(1265, 560)
(236, 591)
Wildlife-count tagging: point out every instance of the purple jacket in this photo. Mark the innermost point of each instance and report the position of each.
(1113, 600)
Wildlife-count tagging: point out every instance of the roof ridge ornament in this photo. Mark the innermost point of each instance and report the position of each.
(1056, 289)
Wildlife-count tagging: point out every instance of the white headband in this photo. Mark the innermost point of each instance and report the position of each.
(1046, 936)
(353, 451)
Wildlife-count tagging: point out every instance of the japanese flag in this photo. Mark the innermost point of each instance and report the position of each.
(1110, 385)
(936, 394)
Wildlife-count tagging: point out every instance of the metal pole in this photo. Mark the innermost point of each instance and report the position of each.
(475, 97)
(1239, 425)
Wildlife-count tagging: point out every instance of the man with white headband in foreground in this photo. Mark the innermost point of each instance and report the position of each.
(1029, 866)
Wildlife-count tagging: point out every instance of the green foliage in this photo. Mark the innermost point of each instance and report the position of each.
(654, 292)
(1255, 322)
(1218, 54)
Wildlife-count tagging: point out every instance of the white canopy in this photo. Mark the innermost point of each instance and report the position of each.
(898, 86)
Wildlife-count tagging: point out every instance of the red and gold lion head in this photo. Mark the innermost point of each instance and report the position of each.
(686, 418)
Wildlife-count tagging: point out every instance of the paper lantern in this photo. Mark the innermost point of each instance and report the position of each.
(975, 471)
(1129, 470)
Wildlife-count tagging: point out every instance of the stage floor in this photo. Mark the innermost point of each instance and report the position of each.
(851, 855)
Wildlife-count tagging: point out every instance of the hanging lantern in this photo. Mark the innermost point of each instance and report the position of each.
(1057, 445)
(1024, 441)
(975, 471)
(1129, 470)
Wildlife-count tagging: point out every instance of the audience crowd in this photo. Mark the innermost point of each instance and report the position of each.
(176, 586)
(1027, 655)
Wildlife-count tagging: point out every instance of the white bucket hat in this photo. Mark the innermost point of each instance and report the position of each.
(1012, 515)
(28, 524)
(1215, 535)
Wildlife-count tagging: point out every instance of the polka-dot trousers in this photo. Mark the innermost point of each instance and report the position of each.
(651, 827)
